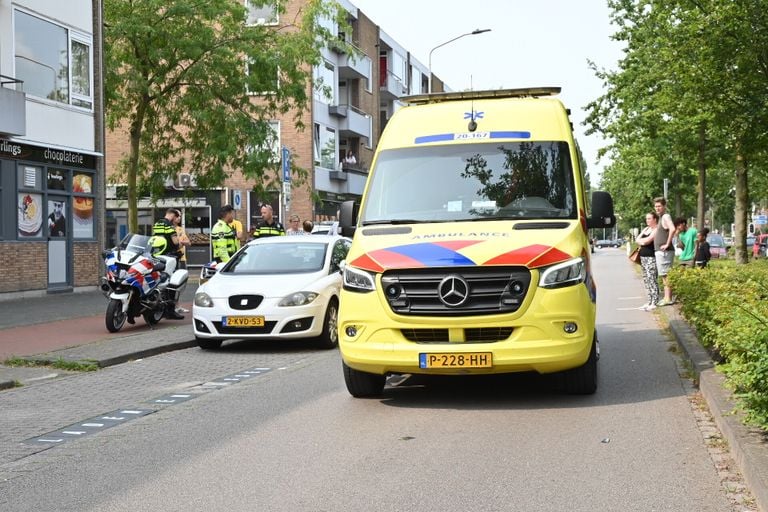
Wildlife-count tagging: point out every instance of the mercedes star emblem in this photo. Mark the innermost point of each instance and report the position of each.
(453, 291)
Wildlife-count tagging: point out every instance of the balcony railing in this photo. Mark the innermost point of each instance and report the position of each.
(392, 87)
(354, 122)
(13, 105)
(356, 65)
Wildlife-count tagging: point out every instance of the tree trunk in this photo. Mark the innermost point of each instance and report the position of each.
(742, 209)
(133, 166)
(702, 185)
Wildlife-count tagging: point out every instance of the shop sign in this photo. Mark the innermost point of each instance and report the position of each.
(47, 155)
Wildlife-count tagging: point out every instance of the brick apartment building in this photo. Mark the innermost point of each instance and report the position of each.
(364, 94)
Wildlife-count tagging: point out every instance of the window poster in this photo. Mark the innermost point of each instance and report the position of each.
(57, 219)
(30, 217)
(82, 207)
(57, 180)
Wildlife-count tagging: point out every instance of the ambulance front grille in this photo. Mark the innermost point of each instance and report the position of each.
(472, 335)
(455, 291)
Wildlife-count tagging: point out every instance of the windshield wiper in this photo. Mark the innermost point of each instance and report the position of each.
(395, 221)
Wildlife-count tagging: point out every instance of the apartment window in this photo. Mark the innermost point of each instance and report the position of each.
(399, 67)
(55, 63)
(271, 143)
(324, 86)
(261, 13)
(267, 82)
(325, 147)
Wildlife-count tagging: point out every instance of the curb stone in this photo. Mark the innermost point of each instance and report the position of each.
(103, 353)
(747, 445)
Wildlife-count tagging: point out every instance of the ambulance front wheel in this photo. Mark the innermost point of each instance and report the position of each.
(362, 384)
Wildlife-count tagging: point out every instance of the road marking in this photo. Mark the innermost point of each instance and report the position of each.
(121, 416)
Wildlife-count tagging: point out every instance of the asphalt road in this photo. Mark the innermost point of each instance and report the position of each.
(289, 437)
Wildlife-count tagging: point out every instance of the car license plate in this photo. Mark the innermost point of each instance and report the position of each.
(243, 321)
(463, 360)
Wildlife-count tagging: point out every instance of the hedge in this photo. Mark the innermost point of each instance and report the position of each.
(726, 304)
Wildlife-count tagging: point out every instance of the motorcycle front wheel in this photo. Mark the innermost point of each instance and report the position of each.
(115, 318)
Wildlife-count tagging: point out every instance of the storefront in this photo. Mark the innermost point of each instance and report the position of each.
(48, 220)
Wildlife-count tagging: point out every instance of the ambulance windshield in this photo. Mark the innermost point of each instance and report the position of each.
(466, 182)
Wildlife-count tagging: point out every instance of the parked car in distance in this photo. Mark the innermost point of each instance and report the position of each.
(325, 228)
(716, 245)
(278, 287)
(606, 243)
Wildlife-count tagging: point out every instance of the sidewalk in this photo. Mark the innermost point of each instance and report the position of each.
(71, 328)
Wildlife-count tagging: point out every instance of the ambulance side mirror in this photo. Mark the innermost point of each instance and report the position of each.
(602, 211)
(348, 218)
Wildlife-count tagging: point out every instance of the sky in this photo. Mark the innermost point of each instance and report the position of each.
(531, 43)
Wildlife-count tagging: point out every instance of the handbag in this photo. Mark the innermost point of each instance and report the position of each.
(634, 256)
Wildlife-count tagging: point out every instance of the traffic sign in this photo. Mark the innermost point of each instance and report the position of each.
(286, 164)
(237, 199)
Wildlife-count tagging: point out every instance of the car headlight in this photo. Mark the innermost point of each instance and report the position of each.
(298, 299)
(568, 273)
(203, 300)
(357, 280)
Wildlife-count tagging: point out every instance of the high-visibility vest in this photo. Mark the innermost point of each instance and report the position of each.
(223, 241)
(164, 228)
(264, 230)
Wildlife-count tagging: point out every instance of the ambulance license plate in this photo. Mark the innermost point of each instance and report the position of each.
(462, 360)
(242, 321)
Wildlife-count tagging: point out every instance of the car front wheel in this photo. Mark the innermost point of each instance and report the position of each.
(207, 344)
(330, 335)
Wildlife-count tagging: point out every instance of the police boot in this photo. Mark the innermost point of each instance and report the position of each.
(172, 314)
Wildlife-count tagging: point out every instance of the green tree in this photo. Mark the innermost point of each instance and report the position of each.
(687, 100)
(178, 74)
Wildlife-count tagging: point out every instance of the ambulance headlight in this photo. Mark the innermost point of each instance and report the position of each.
(357, 280)
(568, 273)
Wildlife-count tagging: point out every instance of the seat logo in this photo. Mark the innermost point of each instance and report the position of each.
(453, 291)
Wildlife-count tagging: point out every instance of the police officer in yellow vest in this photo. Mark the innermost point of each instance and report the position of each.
(268, 225)
(223, 237)
(165, 242)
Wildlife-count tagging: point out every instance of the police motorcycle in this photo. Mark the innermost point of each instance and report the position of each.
(138, 283)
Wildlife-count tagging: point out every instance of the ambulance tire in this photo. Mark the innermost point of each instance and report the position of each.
(362, 384)
(582, 380)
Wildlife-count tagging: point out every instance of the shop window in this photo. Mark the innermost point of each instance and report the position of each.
(55, 63)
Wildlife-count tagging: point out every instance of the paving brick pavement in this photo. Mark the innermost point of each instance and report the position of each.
(34, 410)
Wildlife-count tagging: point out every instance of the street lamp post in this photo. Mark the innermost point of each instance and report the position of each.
(473, 33)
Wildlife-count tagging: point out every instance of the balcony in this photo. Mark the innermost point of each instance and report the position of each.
(355, 66)
(353, 121)
(392, 87)
(13, 105)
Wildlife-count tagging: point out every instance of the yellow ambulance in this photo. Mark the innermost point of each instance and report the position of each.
(470, 252)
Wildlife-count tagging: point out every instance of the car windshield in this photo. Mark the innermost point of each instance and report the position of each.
(460, 182)
(278, 258)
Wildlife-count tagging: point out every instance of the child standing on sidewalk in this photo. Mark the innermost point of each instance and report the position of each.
(702, 255)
